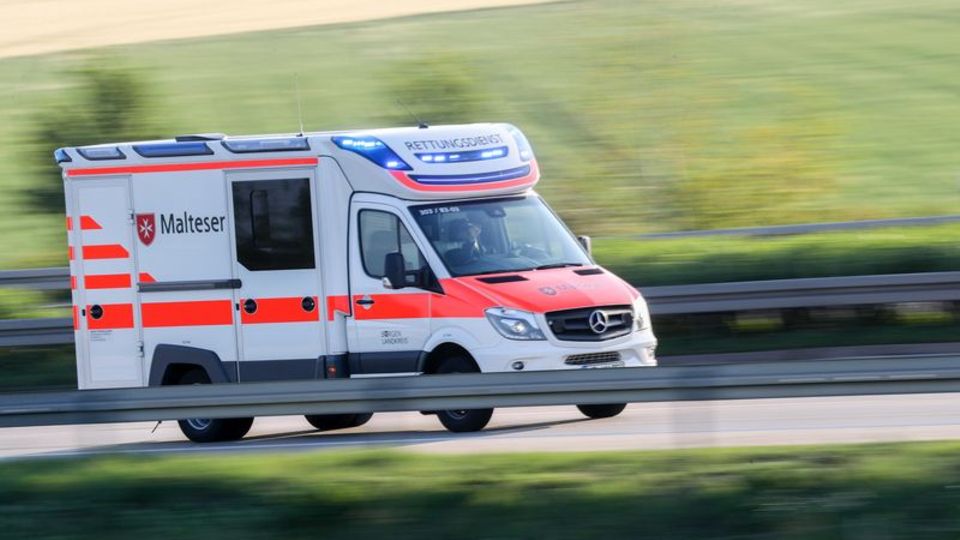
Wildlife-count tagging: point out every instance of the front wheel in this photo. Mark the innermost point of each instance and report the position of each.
(602, 411)
(202, 430)
(462, 420)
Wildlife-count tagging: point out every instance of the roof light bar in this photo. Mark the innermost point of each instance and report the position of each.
(161, 150)
(461, 157)
(247, 146)
(99, 153)
(372, 149)
(523, 145)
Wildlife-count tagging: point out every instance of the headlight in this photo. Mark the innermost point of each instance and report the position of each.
(641, 314)
(515, 324)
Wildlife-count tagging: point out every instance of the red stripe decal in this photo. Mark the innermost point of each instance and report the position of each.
(107, 281)
(528, 180)
(201, 166)
(87, 223)
(115, 316)
(145, 277)
(70, 252)
(196, 313)
(69, 223)
(73, 282)
(337, 303)
(394, 306)
(280, 310)
(105, 251)
(76, 318)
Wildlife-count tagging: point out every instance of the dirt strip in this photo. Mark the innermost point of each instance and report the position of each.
(29, 27)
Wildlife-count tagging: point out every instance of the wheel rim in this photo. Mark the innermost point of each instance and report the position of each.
(458, 414)
(199, 424)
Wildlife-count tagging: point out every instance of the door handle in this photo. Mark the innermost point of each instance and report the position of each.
(365, 301)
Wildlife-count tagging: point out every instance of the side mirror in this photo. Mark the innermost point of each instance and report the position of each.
(586, 243)
(394, 271)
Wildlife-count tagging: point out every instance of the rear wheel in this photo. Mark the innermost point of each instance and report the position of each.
(462, 420)
(328, 422)
(602, 411)
(203, 430)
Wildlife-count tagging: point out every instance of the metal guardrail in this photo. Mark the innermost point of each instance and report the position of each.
(806, 292)
(670, 300)
(805, 228)
(36, 278)
(438, 392)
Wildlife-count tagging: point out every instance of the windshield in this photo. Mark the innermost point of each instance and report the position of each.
(504, 235)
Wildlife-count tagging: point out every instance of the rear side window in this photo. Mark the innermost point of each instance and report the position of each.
(382, 233)
(274, 224)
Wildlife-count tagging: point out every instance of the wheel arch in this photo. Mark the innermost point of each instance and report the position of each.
(170, 362)
(444, 350)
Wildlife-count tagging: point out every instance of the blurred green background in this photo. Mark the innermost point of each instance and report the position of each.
(647, 116)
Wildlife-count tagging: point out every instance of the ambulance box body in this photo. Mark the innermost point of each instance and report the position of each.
(371, 253)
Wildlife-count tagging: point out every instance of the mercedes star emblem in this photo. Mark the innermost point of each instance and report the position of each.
(598, 322)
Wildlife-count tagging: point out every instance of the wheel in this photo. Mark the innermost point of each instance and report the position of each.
(463, 420)
(602, 411)
(328, 422)
(203, 430)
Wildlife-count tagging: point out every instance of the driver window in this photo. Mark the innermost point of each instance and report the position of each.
(382, 233)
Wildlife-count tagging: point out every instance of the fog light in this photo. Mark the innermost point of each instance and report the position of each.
(517, 365)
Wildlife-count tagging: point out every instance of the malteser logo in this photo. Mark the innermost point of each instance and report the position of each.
(146, 228)
(177, 224)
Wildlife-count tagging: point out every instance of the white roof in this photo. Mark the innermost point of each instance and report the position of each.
(410, 162)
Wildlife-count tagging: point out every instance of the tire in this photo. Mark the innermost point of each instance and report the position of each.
(602, 411)
(204, 430)
(468, 420)
(329, 422)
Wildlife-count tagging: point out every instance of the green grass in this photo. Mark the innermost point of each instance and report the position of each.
(646, 115)
(648, 263)
(890, 491)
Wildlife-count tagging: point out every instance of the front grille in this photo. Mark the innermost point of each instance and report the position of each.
(592, 358)
(574, 324)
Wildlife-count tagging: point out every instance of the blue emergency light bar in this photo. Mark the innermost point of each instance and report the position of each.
(372, 149)
(248, 146)
(461, 157)
(176, 149)
(99, 153)
(523, 145)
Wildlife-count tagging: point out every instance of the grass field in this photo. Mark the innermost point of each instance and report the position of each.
(869, 492)
(647, 263)
(646, 115)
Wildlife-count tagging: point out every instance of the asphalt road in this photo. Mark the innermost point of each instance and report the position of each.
(560, 429)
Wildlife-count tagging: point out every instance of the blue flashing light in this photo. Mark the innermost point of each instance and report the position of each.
(177, 149)
(61, 156)
(99, 153)
(247, 146)
(372, 149)
(462, 157)
(523, 145)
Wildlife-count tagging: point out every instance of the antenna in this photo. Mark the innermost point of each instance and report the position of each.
(420, 123)
(296, 83)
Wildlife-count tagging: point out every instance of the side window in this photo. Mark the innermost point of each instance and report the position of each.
(273, 224)
(382, 233)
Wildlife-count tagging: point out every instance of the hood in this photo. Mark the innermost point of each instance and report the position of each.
(541, 291)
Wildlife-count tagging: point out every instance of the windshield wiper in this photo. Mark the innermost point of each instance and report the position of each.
(556, 265)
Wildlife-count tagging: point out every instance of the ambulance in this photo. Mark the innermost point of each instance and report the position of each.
(384, 252)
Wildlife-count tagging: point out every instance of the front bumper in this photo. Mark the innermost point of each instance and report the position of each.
(635, 350)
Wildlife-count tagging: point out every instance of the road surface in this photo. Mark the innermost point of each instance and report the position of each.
(555, 429)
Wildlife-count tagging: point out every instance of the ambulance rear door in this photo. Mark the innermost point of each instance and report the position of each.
(108, 325)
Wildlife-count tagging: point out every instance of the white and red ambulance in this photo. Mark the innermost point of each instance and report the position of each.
(386, 252)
